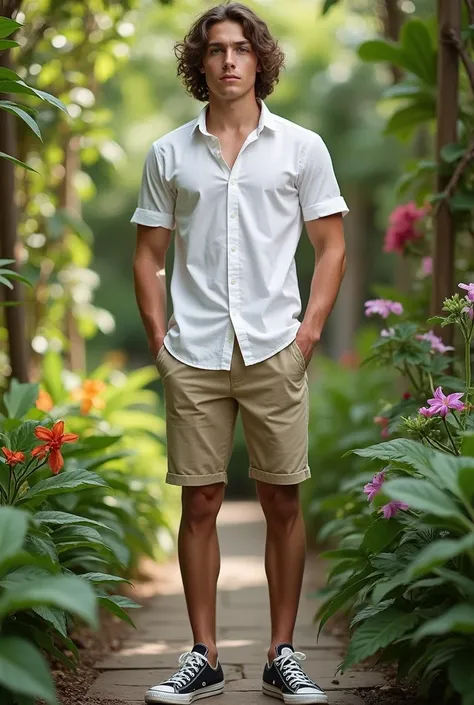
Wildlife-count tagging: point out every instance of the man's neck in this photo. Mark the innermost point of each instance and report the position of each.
(236, 116)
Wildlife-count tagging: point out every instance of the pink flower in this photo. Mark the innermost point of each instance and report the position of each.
(381, 420)
(385, 433)
(470, 311)
(427, 266)
(371, 488)
(382, 307)
(437, 344)
(426, 411)
(470, 290)
(441, 404)
(402, 227)
(389, 510)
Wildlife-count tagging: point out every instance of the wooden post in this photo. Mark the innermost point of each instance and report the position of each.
(449, 18)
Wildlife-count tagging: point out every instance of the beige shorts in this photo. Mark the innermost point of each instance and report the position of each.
(201, 411)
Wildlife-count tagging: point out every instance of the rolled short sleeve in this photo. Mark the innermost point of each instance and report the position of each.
(156, 200)
(318, 189)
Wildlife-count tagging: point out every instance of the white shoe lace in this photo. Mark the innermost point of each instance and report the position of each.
(189, 664)
(292, 670)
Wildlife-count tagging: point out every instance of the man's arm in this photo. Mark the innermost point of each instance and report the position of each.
(150, 282)
(327, 237)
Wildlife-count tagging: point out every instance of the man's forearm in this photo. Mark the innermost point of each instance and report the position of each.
(325, 285)
(150, 292)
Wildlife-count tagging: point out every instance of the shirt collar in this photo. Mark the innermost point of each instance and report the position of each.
(267, 119)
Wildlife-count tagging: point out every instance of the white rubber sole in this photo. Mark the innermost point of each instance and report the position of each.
(303, 699)
(154, 696)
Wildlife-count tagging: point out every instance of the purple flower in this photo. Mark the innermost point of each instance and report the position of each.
(441, 404)
(437, 344)
(426, 411)
(371, 488)
(470, 311)
(470, 290)
(389, 510)
(382, 307)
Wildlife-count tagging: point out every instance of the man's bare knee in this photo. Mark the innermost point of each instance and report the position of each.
(202, 504)
(280, 503)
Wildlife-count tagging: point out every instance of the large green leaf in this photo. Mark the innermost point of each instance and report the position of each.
(378, 50)
(423, 496)
(98, 578)
(418, 49)
(13, 528)
(16, 110)
(438, 553)
(73, 536)
(64, 591)
(380, 534)
(351, 588)
(7, 75)
(20, 398)
(7, 44)
(111, 604)
(54, 616)
(53, 518)
(402, 122)
(8, 26)
(377, 632)
(459, 618)
(16, 161)
(24, 670)
(23, 438)
(64, 482)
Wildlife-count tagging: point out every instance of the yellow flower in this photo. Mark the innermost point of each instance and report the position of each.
(88, 395)
(44, 401)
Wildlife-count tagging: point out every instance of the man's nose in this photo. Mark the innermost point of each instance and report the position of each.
(229, 58)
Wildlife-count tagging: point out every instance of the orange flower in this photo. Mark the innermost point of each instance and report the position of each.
(88, 395)
(13, 457)
(44, 401)
(54, 438)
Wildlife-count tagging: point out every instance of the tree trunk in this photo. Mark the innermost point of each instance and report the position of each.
(70, 202)
(449, 17)
(14, 315)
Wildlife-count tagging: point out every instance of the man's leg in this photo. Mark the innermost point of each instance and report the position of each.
(285, 551)
(199, 558)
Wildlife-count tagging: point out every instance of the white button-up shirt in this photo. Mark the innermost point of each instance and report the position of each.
(236, 233)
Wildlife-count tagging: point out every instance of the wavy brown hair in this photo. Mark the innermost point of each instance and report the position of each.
(191, 50)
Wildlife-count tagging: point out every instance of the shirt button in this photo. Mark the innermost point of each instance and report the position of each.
(232, 181)
(232, 215)
(232, 249)
(232, 281)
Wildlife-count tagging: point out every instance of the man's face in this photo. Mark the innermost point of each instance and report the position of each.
(229, 53)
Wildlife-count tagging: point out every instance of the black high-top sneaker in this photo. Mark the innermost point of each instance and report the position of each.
(194, 679)
(285, 679)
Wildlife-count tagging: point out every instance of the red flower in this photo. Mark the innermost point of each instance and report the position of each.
(13, 457)
(406, 395)
(54, 438)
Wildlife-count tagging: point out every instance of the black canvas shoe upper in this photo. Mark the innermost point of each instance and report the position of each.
(195, 672)
(286, 673)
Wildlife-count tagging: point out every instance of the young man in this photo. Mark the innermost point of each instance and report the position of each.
(236, 185)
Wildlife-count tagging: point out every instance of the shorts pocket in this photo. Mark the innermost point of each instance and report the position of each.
(297, 352)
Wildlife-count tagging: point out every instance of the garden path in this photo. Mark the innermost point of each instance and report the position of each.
(151, 653)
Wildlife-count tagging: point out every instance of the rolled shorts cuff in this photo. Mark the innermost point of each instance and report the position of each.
(195, 480)
(274, 478)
